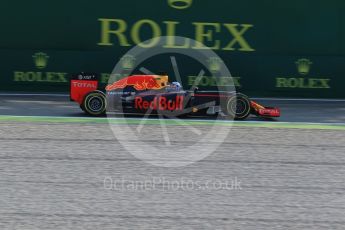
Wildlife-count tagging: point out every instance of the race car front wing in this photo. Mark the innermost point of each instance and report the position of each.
(263, 111)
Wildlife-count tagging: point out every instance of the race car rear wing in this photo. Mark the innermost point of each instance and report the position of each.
(81, 84)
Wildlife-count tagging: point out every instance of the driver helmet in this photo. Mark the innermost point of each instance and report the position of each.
(175, 86)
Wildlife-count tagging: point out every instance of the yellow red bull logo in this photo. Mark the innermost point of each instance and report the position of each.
(160, 103)
(140, 82)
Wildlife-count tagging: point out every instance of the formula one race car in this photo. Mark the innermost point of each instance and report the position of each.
(143, 94)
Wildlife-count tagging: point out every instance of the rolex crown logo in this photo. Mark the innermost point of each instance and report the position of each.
(41, 60)
(128, 62)
(215, 64)
(180, 4)
(303, 66)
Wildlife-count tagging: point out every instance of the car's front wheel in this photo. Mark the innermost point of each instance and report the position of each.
(95, 103)
(238, 107)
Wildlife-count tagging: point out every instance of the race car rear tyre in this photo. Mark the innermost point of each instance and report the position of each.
(95, 103)
(238, 107)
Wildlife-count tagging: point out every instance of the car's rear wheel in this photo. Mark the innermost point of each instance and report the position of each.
(95, 103)
(238, 107)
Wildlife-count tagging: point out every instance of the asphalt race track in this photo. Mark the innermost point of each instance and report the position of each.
(61, 170)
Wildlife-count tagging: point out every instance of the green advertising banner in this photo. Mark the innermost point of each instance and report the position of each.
(287, 49)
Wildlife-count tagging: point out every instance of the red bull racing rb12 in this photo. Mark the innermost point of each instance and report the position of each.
(152, 94)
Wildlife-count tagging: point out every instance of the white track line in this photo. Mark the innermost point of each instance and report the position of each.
(186, 120)
(298, 99)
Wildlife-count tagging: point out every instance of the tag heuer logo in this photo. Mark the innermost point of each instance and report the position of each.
(128, 62)
(303, 66)
(215, 64)
(41, 60)
(180, 4)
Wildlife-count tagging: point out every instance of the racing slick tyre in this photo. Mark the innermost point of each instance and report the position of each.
(238, 107)
(95, 103)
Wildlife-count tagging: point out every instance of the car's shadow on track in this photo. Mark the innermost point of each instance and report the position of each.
(261, 119)
(154, 116)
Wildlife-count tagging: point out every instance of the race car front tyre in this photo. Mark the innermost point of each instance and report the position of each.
(95, 103)
(238, 107)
